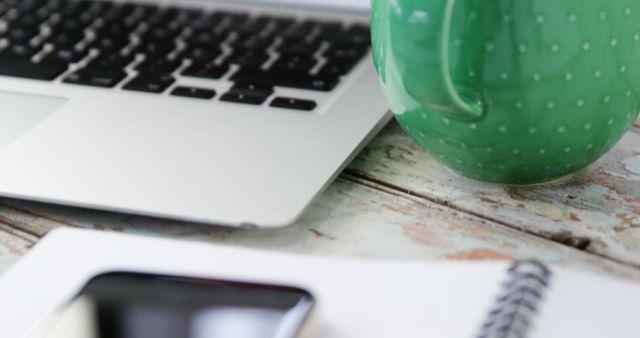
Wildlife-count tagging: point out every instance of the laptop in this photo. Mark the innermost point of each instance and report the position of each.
(228, 113)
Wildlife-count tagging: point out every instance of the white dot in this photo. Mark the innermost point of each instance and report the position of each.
(628, 93)
(540, 19)
(446, 121)
(568, 76)
(489, 46)
(504, 76)
(636, 37)
(567, 149)
(532, 130)
(598, 73)
(422, 135)
(516, 151)
(457, 42)
(519, 104)
(580, 103)
(480, 165)
(442, 141)
(473, 126)
(488, 149)
(610, 122)
(555, 48)
(464, 146)
(573, 18)
(472, 73)
(614, 42)
(562, 129)
(606, 99)
(623, 69)
(627, 11)
(522, 48)
(551, 104)
(603, 15)
(473, 15)
(590, 146)
(586, 45)
(587, 126)
(502, 129)
(536, 77)
(542, 151)
(506, 18)
(424, 116)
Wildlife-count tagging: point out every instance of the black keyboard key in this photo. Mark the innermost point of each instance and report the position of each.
(207, 38)
(248, 57)
(250, 27)
(23, 50)
(291, 103)
(117, 28)
(295, 62)
(202, 54)
(27, 19)
(338, 66)
(110, 44)
(161, 34)
(239, 97)
(21, 34)
(253, 42)
(71, 25)
(324, 82)
(159, 66)
(150, 83)
(295, 31)
(248, 92)
(259, 89)
(208, 71)
(345, 52)
(65, 40)
(294, 46)
(198, 93)
(69, 55)
(112, 61)
(20, 67)
(156, 48)
(98, 77)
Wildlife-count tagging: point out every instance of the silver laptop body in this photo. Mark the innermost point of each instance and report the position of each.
(160, 145)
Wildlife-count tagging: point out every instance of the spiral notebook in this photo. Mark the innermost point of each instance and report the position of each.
(355, 298)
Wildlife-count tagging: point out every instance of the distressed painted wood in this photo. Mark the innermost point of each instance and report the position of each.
(395, 202)
(597, 210)
(354, 218)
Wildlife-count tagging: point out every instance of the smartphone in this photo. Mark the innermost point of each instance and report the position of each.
(137, 305)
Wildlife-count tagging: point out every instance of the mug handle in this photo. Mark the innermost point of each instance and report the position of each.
(461, 109)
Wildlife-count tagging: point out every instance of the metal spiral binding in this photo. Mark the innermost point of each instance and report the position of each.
(516, 307)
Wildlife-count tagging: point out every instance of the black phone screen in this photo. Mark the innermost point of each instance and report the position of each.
(134, 305)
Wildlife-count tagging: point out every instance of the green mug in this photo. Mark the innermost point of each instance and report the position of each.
(510, 91)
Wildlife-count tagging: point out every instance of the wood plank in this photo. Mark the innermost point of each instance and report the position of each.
(13, 244)
(597, 210)
(353, 218)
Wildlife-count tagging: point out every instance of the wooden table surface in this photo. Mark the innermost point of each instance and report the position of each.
(395, 202)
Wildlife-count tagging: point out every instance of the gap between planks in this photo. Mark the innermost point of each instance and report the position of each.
(357, 177)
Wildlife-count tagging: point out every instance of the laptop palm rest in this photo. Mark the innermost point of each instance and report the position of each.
(21, 112)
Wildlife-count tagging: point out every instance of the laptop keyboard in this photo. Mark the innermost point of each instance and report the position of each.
(102, 41)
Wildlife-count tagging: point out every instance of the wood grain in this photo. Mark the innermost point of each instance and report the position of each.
(353, 218)
(597, 210)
